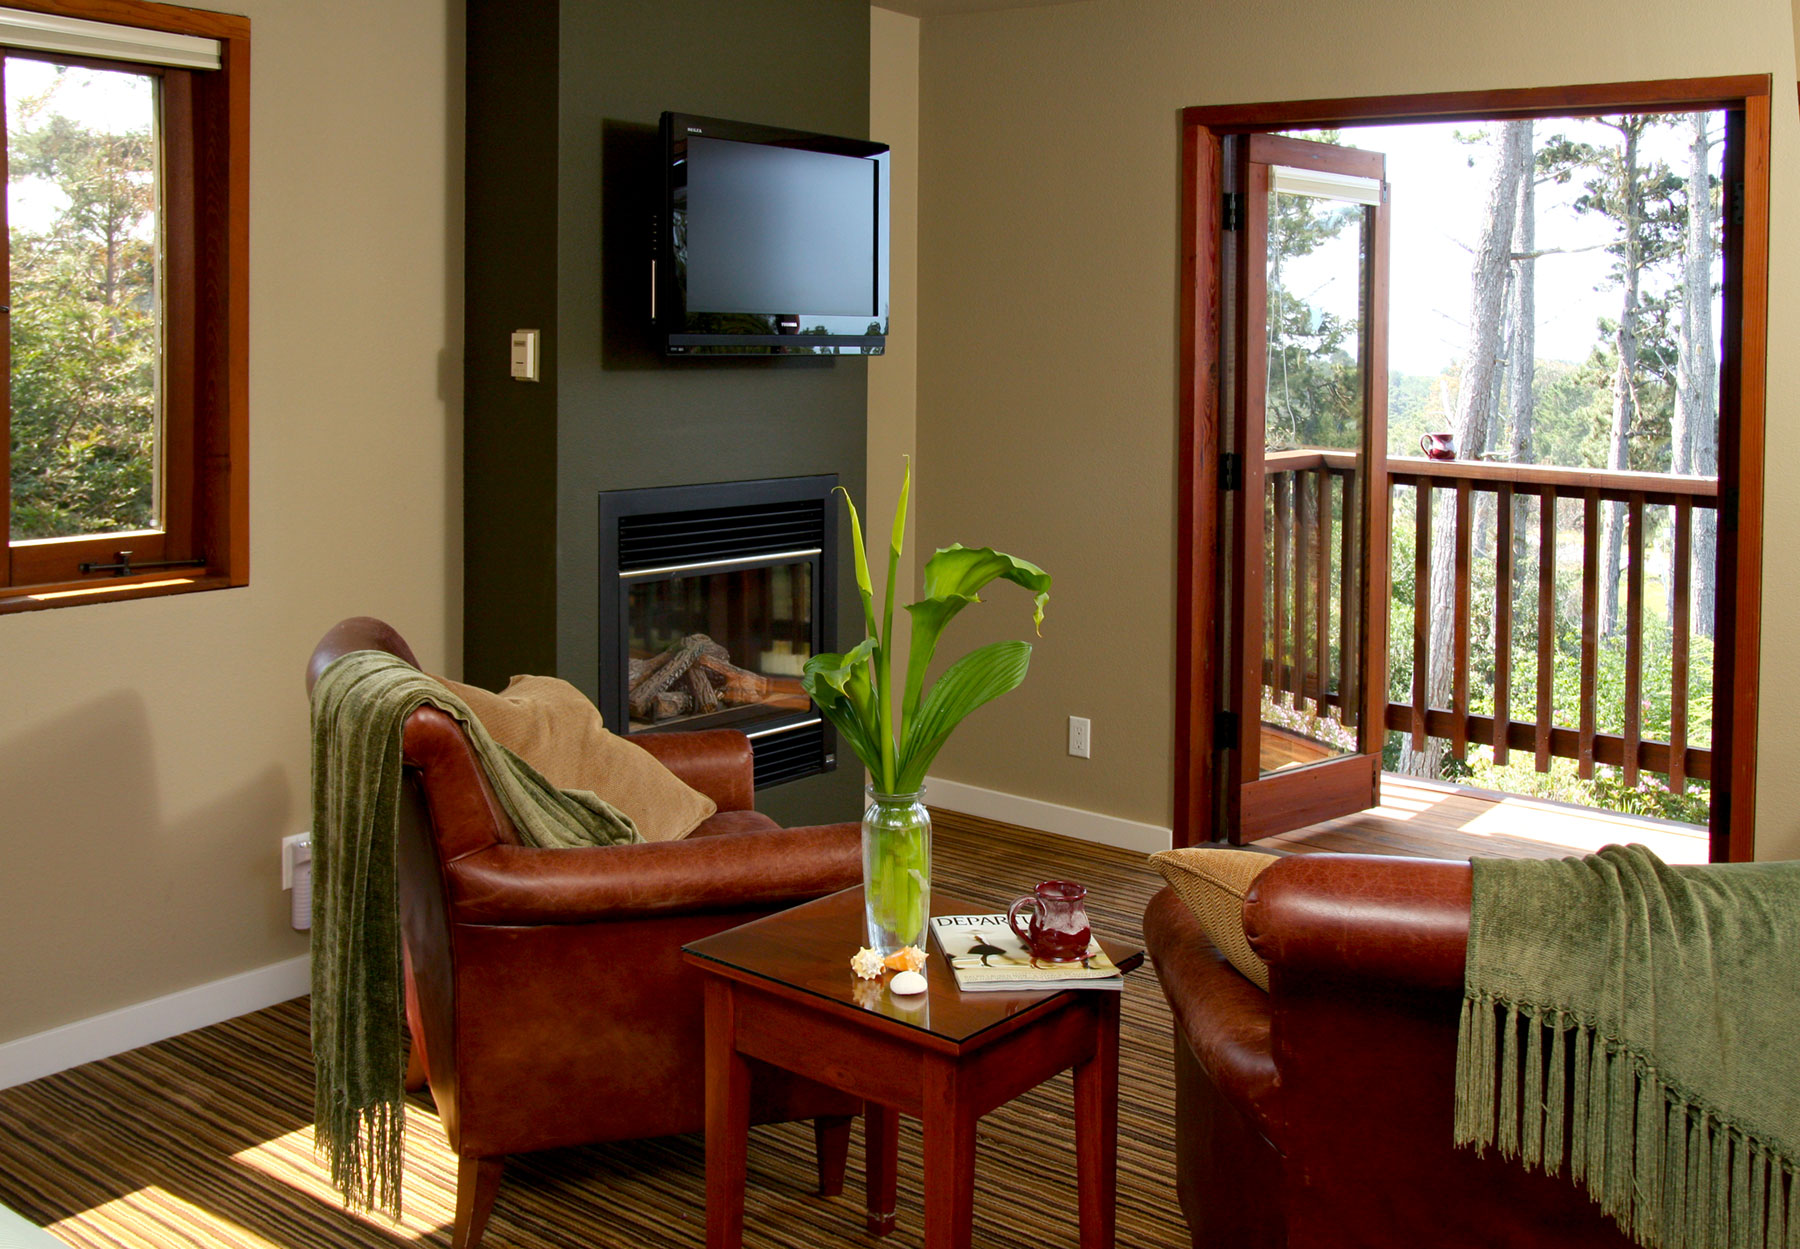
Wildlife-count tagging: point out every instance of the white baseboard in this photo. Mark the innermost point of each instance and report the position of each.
(991, 804)
(46, 1053)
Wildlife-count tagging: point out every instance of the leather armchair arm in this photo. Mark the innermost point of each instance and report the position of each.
(507, 884)
(358, 633)
(1223, 1015)
(717, 762)
(1362, 917)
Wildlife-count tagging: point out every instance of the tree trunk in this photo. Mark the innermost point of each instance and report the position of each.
(1521, 364)
(1624, 405)
(1695, 432)
(1493, 256)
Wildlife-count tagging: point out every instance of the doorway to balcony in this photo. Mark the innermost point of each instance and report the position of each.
(1541, 595)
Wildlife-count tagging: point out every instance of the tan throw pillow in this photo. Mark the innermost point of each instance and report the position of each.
(1213, 884)
(552, 726)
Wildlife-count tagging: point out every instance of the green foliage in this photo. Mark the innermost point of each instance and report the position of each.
(84, 332)
(1314, 379)
(855, 690)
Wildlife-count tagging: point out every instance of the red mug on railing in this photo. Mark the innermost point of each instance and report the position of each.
(1438, 446)
(1059, 931)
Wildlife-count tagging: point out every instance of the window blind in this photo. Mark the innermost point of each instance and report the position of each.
(45, 32)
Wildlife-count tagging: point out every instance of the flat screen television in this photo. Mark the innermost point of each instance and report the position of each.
(770, 241)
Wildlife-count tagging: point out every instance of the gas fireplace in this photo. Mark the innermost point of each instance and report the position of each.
(712, 598)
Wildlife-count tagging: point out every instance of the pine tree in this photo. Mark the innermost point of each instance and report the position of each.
(84, 333)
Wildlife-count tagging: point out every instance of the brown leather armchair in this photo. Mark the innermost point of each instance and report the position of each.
(1319, 1113)
(546, 995)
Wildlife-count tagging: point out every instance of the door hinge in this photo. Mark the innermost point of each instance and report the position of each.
(1737, 203)
(1231, 471)
(1232, 211)
(1225, 730)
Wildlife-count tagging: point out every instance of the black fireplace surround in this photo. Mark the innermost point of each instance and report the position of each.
(712, 597)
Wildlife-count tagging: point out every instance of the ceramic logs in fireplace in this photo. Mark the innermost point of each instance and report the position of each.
(712, 598)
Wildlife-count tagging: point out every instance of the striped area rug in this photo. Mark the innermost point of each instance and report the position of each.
(206, 1139)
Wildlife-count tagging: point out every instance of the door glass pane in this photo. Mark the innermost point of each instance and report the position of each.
(82, 215)
(1313, 435)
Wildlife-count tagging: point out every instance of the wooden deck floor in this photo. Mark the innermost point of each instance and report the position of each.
(1431, 819)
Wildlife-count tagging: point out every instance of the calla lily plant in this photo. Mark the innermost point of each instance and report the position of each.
(855, 690)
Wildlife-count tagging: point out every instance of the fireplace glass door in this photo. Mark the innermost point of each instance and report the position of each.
(715, 647)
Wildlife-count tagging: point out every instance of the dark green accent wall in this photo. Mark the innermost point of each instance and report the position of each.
(624, 415)
(510, 282)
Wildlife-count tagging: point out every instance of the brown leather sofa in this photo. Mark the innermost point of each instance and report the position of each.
(546, 995)
(1319, 1113)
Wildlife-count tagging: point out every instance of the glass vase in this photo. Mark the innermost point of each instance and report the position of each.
(896, 850)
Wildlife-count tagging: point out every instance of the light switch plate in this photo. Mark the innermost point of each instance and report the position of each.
(525, 355)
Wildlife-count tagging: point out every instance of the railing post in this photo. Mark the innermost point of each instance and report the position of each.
(1322, 587)
(1351, 573)
(1306, 533)
(1634, 637)
(1546, 648)
(1503, 612)
(1421, 609)
(1590, 630)
(1459, 659)
(1679, 623)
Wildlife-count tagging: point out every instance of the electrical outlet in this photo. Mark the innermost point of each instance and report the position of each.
(1080, 734)
(288, 845)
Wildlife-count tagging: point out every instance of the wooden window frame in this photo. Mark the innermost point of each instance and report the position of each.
(1745, 100)
(204, 442)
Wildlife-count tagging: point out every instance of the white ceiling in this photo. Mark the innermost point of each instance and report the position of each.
(944, 8)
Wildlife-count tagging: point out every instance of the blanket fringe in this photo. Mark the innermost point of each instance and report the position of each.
(365, 1150)
(1670, 1173)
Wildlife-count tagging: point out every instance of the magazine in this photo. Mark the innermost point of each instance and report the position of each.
(988, 957)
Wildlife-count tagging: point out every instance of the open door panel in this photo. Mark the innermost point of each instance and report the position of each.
(1307, 491)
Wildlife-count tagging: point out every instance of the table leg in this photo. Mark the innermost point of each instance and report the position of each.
(727, 1120)
(881, 1153)
(1097, 1125)
(949, 1158)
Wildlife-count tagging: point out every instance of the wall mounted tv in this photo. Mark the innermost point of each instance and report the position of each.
(770, 241)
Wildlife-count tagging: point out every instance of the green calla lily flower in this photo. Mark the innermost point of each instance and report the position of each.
(855, 690)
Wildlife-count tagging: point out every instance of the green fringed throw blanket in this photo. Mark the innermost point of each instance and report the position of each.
(1656, 1010)
(359, 708)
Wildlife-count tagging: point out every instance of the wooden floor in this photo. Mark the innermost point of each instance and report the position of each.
(204, 1141)
(1431, 819)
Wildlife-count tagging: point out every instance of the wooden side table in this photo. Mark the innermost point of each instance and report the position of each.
(780, 990)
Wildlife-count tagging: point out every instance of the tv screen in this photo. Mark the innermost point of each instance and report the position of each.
(772, 242)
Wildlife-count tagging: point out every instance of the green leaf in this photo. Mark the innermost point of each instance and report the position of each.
(884, 657)
(977, 678)
(954, 578)
(864, 586)
(839, 684)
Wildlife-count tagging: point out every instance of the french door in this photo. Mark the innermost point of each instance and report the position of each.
(1305, 487)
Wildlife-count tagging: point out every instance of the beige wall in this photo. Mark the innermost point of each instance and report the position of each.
(1048, 353)
(153, 753)
(893, 377)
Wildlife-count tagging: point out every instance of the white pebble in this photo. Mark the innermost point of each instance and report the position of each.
(907, 983)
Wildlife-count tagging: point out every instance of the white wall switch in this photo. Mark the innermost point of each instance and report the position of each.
(525, 355)
(1079, 731)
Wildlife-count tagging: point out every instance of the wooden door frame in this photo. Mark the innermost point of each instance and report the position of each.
(1742, 405)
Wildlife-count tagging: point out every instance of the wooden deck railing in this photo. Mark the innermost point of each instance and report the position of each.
(1308, 494)
(1303, 655)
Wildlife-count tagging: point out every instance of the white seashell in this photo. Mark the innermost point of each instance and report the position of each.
(907, 983)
